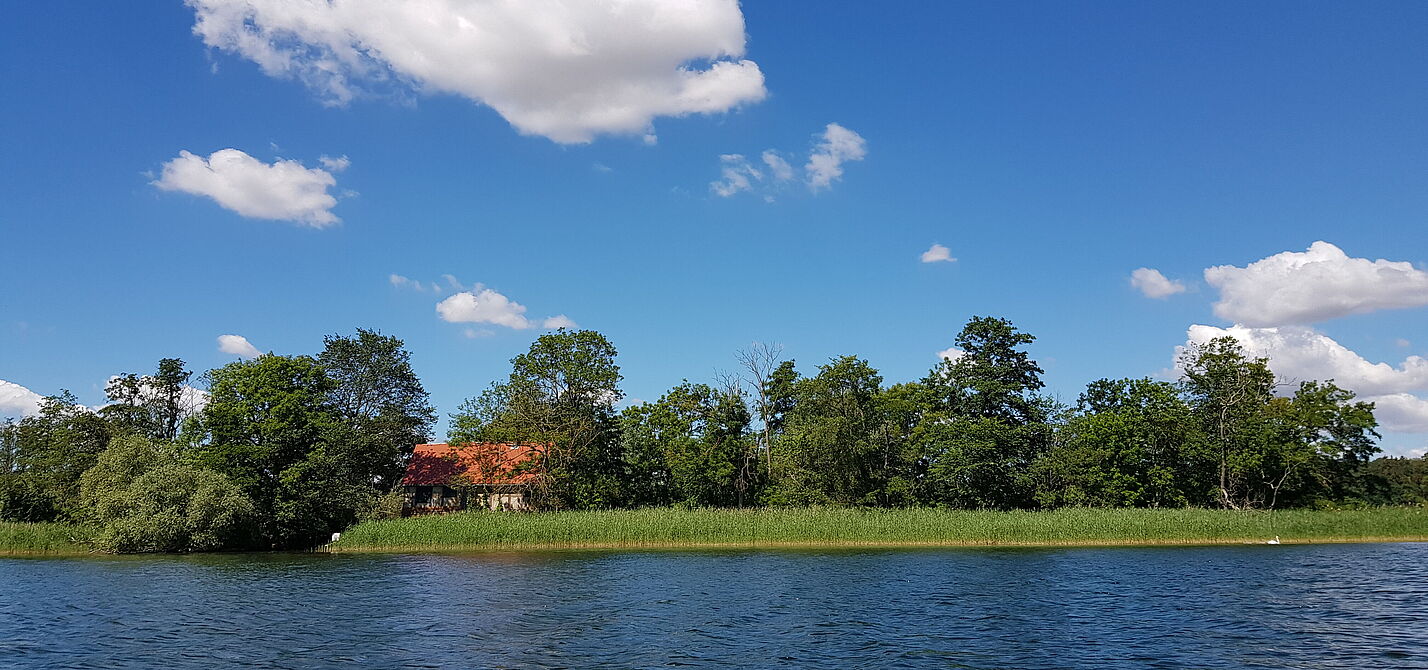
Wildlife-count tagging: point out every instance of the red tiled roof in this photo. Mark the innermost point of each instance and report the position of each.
(487, 463)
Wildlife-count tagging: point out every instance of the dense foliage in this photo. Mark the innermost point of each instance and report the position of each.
(975, 433)
(281, 451)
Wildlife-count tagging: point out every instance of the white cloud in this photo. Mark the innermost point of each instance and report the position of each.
(1401, 412)
(1152, 284)
(1316, 285)
(238, 346)
(16, 400)
(473, 333)
(564, 69)
(1402, 343)
(1300, 353)
(951, 354)
(736, 175)
(404, 282)
(838, 146)
(283, 190)
(558, 321)
(483, 306)
(335, 164)
(937, 253)
(778, 167)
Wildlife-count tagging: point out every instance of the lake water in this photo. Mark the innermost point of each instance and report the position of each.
(1339, 606)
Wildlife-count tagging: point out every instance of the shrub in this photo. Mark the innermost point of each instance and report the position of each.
(144, 498)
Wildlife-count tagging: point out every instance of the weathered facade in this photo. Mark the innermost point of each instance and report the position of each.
(447, 478)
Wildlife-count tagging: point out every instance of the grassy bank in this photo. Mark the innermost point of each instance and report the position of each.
(872, 528)
(42, 539)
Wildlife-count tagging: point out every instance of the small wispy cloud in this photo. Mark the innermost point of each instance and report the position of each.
(833, 147)
(838, 146)
(238, 346)
(937, 254)
(1152, 284)
(482, 305)
(407, 283)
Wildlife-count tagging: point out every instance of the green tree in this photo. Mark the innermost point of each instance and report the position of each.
(832, 447)
(1231, 394)
(318, 495)
(46, 453)
(991, 377)
(985, 423)
(903, 469)
(380, 401)
(981, 463)
(22, 497)
(151, 405)
(146, 498)
(559, 399)
(1323, 442)
(1397, 481)
(265, 416)
(782, 395)
(1128, 444)
(691, 447)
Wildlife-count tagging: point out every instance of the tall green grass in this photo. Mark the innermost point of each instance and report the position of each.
(24, 539)
(858, 527)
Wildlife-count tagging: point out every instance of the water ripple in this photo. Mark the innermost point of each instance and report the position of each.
(1344, 606)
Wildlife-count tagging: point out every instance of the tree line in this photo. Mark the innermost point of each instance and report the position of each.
(977, 432)
(283, 450)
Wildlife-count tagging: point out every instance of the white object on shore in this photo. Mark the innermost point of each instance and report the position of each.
(338, 536)
(1274, 541)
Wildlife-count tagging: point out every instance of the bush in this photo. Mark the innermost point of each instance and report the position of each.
(144, 498)
(385, 506)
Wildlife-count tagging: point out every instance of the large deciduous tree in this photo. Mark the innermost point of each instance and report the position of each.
(152, 405)
(558, 399)
(265, 417)
(1231, 394)
(832, 449)
(986, 422)
(45, 454)
(1129, 443)
(380, 402)
(691, 448)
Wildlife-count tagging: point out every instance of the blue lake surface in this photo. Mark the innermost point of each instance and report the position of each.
(1328, 606)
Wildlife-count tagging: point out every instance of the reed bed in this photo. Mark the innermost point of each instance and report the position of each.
(834, 527)
(39, 539)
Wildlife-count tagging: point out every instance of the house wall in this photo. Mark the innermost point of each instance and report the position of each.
(437, 499)
(432, 498)
(507, 501)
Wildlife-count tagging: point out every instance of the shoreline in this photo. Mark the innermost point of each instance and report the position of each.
(851, 528)
(420, 550)
(855, 544)
(818, 528)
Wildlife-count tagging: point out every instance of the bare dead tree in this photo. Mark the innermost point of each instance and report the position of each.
(759, 362)
(731, 385)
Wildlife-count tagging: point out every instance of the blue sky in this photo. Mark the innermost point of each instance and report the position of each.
(1053, 149)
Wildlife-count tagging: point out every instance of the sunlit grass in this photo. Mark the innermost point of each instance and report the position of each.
(858, 527)
(42, 538)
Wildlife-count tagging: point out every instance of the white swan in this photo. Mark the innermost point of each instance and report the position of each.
(1274, 541)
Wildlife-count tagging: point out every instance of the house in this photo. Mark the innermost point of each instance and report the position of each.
(450, 477)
